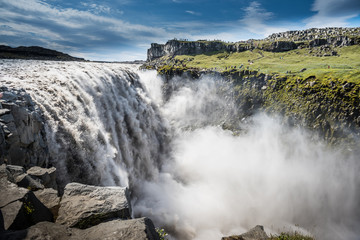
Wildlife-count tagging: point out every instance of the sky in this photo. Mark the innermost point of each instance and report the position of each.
(120, 30)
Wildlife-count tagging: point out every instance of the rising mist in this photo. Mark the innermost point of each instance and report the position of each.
(218, 184)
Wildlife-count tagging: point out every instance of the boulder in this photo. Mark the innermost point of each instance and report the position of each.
(5, 174)
(83, 206)
(40, 231)
(28, 182)
(47, 176)
(20, 208)
(135, 229)
(49, 197)
(15, 171)
(256, 233)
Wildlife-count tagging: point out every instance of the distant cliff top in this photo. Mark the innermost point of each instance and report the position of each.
(315, 33)
(35, 53)
(277, 42)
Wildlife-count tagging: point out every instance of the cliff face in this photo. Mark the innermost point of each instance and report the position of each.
(279, 42)
(176, 47)
(329, 108)
(22, 130)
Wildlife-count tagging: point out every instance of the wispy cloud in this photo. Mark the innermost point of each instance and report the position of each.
(193, 13)
(255, 19)
(68, 28)
(96, 8)
(333, 13)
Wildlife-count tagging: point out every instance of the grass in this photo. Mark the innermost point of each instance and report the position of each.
(290, 236)
(346, 65)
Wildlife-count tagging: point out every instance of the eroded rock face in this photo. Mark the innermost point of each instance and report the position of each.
(22, 133)
(83, 206)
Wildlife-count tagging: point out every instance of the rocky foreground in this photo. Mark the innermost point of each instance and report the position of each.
(31, 208)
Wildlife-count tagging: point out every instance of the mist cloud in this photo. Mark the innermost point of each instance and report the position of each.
(218, 184)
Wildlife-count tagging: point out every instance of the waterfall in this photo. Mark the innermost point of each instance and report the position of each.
(101, 127)
(110, 124)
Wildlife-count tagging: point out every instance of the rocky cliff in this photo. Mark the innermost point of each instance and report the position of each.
(279, 42)
(22, 130)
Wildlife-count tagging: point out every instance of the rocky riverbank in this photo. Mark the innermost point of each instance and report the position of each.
(32, 208)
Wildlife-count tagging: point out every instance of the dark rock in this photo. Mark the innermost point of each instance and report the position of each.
(22, 127)
(135, 229)
(49, 197)
(281, 46)
(256, 233)
(83, 206)
(46, 176)
(4, 111)
(20, 208)
(40, 231)
(15, 171)
(7, 118)
(5, 174)
(28, 182)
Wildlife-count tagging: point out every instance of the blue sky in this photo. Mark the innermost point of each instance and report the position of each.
(117, 30)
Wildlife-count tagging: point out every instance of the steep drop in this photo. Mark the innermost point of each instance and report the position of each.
(101, 128)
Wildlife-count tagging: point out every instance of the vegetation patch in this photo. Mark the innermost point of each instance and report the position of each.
(290, 236)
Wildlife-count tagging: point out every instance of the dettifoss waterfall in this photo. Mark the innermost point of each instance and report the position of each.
(108, 124)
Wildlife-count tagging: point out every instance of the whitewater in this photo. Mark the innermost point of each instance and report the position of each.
(110, 124)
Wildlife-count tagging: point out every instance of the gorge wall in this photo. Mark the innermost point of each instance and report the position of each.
(275, 43)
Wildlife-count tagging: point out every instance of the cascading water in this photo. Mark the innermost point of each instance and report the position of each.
(101, 128)
(106, 125)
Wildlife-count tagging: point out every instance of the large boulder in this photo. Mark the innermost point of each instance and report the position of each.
(135, 229)
(83, 206)
(46, 176)
(19, 207)
(22, 132)
(256, 233)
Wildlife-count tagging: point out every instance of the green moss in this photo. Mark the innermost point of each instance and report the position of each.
(345, 65)
(290, 236)
(29, 208)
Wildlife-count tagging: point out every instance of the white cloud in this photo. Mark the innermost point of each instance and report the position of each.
(333, 13)
(193, 13)
(38, 22)
(255, 19)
